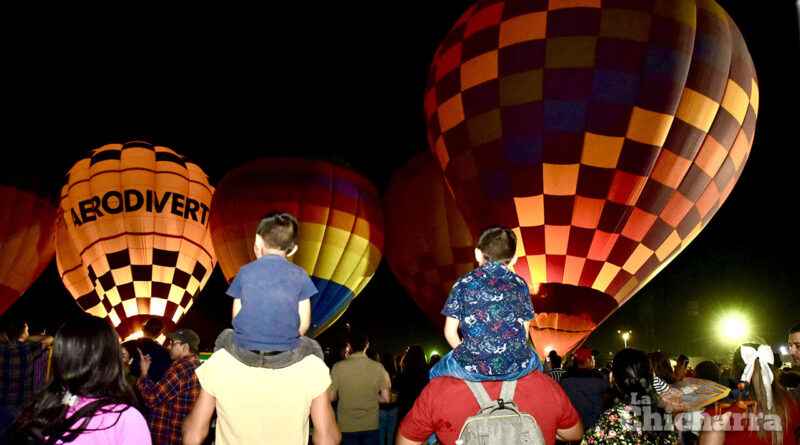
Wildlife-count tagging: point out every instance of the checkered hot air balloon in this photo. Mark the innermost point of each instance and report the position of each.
(132, 238)
(27, 237)
(340, 238)
(428, 243)
(605, 133)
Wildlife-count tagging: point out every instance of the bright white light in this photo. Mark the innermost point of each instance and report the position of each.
(134, 336)
(734, 328)
(784, 350)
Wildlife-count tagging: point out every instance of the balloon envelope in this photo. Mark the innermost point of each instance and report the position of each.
(27, 239)
(341, 225)
(606, 134)
(132, 240)
(428, 243)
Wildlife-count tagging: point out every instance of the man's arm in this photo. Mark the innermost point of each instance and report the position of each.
(333, 395)
(46, 340)
(196, 424)
(154, 393)
(237, 306)
(304, 308)
(713, 432)
(451, 332)
(402, 440)
(385, 396)
(326, 432)
(573, 433)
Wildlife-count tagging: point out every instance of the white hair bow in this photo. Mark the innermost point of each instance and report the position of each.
(766, 358)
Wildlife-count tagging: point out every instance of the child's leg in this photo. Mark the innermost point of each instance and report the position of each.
(449, 367)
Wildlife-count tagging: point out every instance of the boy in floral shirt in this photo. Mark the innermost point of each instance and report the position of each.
(491, 306)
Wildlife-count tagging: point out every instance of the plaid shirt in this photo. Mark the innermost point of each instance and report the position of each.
(16, 373)
(170, 399)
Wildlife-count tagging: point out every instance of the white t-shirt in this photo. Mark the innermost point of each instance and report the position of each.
(259, 405)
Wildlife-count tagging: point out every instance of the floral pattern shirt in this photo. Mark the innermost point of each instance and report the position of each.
(622, 424)
(491, 304)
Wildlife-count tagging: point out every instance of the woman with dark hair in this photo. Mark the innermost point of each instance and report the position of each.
(777, 411)
(634, 416)
(662, 367)
(412, 378)
(87, 400)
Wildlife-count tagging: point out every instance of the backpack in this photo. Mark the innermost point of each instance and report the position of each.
(499, 421)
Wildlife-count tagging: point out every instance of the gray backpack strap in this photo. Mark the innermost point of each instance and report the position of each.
(484, 401)
(507, 391)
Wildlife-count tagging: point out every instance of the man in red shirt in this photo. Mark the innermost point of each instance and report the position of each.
(446, 403)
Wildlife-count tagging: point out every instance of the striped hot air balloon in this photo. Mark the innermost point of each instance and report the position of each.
(132, 239)
(605, 133)
(340, 238)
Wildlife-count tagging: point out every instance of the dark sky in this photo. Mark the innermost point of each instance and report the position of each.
(346, 80)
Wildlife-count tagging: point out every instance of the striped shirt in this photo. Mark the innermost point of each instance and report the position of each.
(660, 386)
(556, 374)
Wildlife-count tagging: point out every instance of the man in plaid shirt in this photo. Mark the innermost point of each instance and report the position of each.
(17, 356)
(170, 399)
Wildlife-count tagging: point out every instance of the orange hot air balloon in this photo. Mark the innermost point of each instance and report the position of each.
(132, 240)
(27, 238)
(606, 136)
(428, 243)
(341, 225)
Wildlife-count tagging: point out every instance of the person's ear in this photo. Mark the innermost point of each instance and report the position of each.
(478, 256)
(513, 261)
(293, 251)
(258, 245)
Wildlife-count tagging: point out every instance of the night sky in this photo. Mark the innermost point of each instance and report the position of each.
(346, 80)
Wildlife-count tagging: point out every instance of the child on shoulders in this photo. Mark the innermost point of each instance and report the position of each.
(272, 306)
(491, 307)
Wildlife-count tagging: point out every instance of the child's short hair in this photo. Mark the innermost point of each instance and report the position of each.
(498, 244)
(278, 230)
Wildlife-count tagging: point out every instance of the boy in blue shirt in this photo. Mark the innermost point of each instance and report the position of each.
(272, 306)
(491, 306)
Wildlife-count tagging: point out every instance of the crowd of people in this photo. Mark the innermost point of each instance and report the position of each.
(266, 383)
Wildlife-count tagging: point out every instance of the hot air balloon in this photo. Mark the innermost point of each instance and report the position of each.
(132, 238)
(428, 243)
(607, 134)
(27, 237)
(341, 225)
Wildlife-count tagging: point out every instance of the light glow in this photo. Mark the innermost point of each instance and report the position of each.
(134, 336)
(733, 328)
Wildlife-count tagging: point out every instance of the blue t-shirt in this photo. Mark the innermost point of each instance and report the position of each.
(491, 303)
(270, 289)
